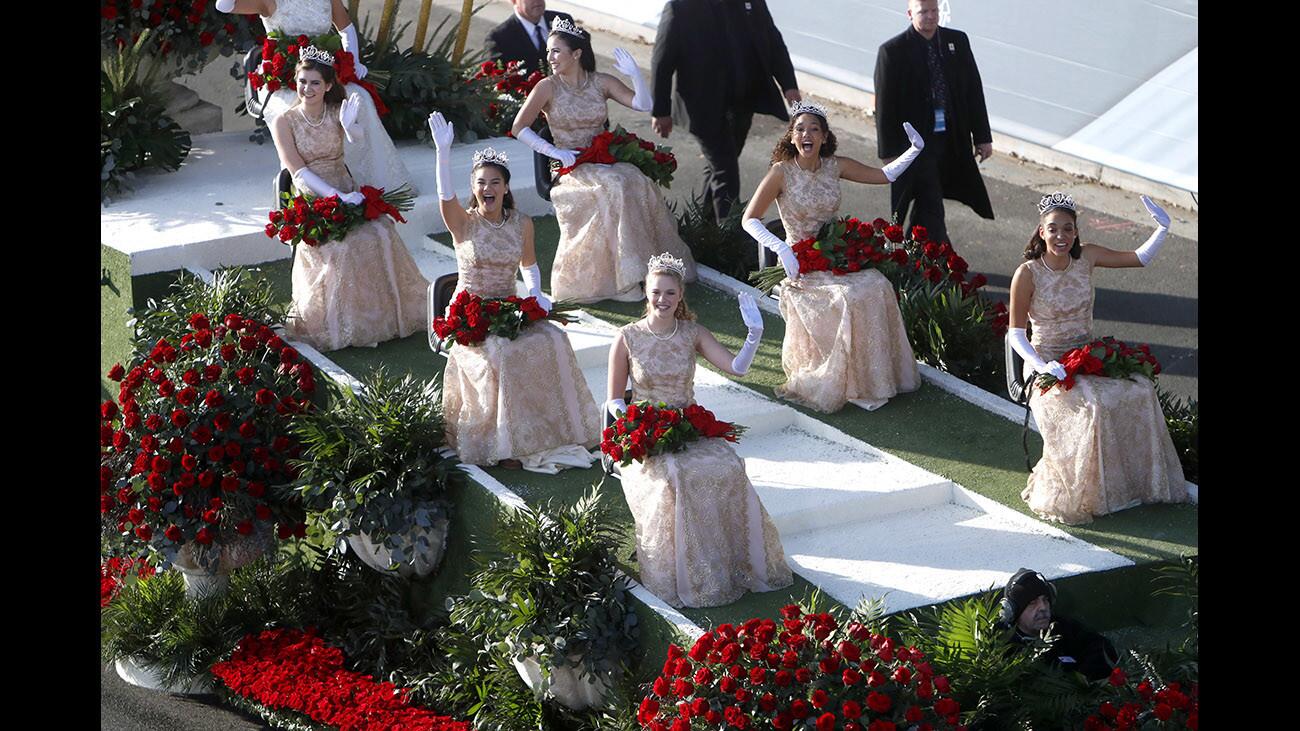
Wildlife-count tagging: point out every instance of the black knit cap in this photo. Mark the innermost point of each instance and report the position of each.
(1025, 586)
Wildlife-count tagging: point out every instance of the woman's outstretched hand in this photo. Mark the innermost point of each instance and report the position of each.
(749, 312)
(1158, 213)
(441, 130)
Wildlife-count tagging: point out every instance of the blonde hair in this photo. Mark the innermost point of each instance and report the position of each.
(683, 312)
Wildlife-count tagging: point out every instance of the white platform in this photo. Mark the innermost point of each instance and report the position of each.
(213, 211)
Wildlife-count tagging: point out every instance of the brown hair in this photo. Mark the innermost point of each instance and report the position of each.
(326, 71)
(1037, 246)
(683, 312)
(587, 61)
(508, 202)
(785, 149)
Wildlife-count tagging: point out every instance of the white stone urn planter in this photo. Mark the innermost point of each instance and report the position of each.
(135, 673)
(236, 552)
(421, 562)
(568, 687)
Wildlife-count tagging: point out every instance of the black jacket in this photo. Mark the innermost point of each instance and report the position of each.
(1078, 648)
(903, 95)
(692, 44)
(510, 42)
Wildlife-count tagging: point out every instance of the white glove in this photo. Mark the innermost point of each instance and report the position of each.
(1147, 251)
(626, 65)
(306, 179)
(533, 281)
(225, 6)
(348, 117)
(754, 321)
(615, 405)
(759, 232)
(1020, 342)
(530, 138)
(896, 168)
(350, 44)
(443, 133)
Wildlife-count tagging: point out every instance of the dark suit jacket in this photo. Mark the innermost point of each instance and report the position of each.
(691, 44)
(903, 95)
(510, 42)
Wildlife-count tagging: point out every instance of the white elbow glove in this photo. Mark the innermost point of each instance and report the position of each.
(896, 168)
(225, 6)
(754, 321)
(1020, 342)
(615, 405)
(1147, 251)
(759, 232)
(352, 45)
(443, 134)
(626, 65)
(309, 180)
(531, 138)
(348, 110)
(533, 281)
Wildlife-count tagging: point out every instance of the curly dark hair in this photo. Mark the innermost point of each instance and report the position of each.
(326, 71)
(785, 149)
(1037, 246)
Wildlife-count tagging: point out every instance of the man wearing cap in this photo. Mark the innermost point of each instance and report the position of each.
(1027, 604)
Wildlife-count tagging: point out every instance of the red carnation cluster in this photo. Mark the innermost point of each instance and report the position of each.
(646, 429)
(656, 162)
(1108, 358)
(197, 436)
(805, 672)
(311, 220)
(112, 571)
(288, 669)
(471, 318)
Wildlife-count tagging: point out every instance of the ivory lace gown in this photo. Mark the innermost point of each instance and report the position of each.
(364, 289)
(1106, 446)
(844, 335)
(612, 217)
(511, 398)
(703, 538)
(373, 159)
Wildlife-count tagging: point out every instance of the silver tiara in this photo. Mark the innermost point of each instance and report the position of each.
(312, 53)
(489, 155)
(564, 25)
(1055, 200)
(803, 107)
(666, 262)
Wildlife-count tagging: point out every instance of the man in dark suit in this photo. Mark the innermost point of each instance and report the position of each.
(926, 75)
(730, 61)
(523, 38)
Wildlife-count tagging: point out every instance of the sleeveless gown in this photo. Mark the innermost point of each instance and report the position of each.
(612, 218)
(512, 398)
(1106, 446)
(364, 289)
(844, 336)
(373, 160)
(703, 538)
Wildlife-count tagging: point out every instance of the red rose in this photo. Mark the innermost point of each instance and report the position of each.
(826, 722)
(851, 710)
(244, 528)
(263, 512)
(820, 698)
(230, 483)
(1118, 678)
(941, 684)
(210, 516)
(173, 534)
(117, 372)
(144, 532)
(204, 536)
(799, 708)
(264, 397)
(946, 707)
(879, 702)
(180, 419)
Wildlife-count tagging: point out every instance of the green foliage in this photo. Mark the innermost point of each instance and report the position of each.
(134, 132)
(951, 331)
(1184, 420)
(241, 291)
(722, 245)
(372, 461)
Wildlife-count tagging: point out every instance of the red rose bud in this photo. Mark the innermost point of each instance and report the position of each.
(247, 430)
(173, 534)
(117, 372)
(144, 532)
(180, 419)
(1118, 678)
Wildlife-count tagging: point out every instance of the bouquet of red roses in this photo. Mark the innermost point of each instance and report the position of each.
(1107, 357)
(312, 220)
(656, 161)
(471, 318)
(115, 571)
(512, 87)
(646, 429)
(841, 246)
(1137, 707)
(805, 673)
(280, 57)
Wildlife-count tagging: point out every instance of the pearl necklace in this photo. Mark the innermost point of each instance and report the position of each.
(306, 119)
(1068, 261)
(488, 221)
(657, 336)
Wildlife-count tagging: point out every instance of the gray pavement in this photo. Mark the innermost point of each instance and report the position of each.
(124, 707)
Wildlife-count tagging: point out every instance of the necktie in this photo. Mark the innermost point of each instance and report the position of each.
(537, 34)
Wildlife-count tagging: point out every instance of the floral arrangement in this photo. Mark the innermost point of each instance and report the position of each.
(188, 30)
(842, 246)
(656, 161)
(196, 439)
(280, 57)
(313, 220)
(1107, 357)
(115, 571)
(1142, 706)
(512, 87)
(295, 671)
(807, 672)
(646, 429)
(471, 318)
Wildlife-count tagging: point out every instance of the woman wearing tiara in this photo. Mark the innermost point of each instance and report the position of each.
(520, 402)
(1106, 446)
(368, 152)
(844, 336)
(612, 217)
(364, 289)
(703, 538)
